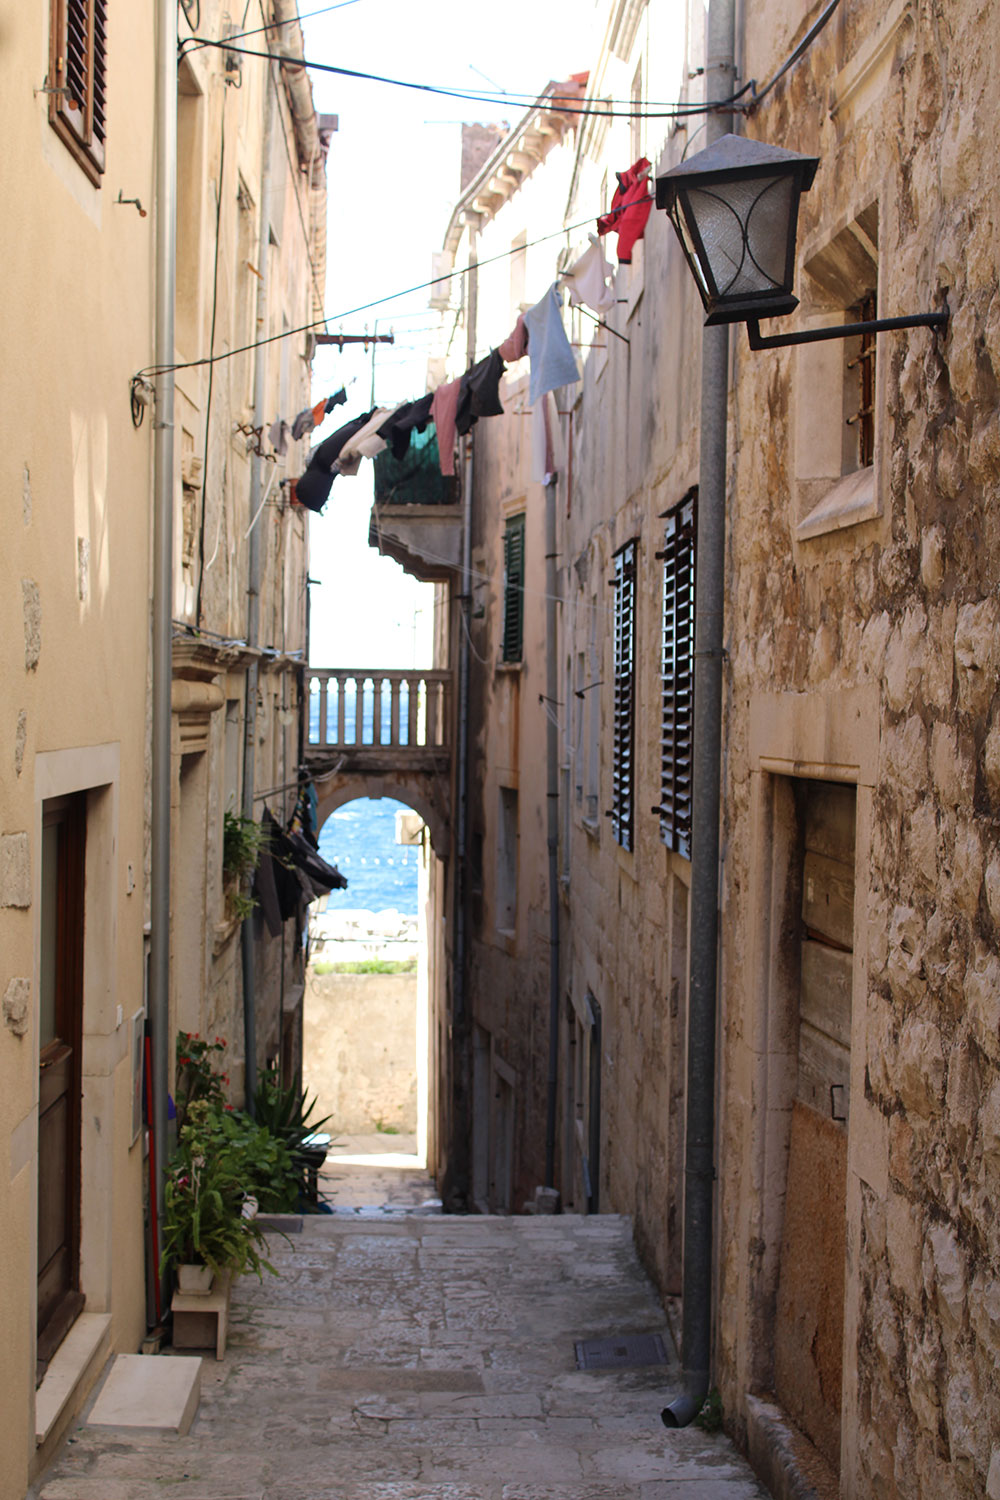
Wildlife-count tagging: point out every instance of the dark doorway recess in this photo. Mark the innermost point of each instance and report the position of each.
(64, 823)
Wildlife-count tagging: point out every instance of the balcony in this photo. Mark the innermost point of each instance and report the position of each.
(379, 733)
(417, 517)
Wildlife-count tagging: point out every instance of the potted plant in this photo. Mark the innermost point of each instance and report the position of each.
(287, 1112)
(204, 1195)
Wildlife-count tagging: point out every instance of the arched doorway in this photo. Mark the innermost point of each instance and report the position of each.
(366, 1015)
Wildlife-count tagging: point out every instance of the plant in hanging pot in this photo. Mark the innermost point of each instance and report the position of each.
(243, 842)
(204, 1195)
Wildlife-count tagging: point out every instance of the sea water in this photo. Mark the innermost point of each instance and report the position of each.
(360, 839)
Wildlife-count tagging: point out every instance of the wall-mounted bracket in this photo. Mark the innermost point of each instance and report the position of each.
(842, 330)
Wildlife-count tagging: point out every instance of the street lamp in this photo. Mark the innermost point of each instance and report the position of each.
(735, 209)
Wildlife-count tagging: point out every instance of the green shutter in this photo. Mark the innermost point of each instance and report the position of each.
(623, 748)
(513, 589)
(677, 674)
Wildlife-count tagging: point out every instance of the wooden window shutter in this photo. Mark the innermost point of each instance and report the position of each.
(677, 673)
(78, 79)
(513, 589)
(623, 748)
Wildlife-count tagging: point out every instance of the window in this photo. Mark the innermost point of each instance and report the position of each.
(860, 382)
(518, 273)
(677, 675)
(513, 589)
(635, 121)
(506, 915)
(582, 1105)
(837, 396)
(623, 750)
(78, 79)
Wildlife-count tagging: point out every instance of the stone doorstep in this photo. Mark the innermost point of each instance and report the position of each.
(152, 1392)
(784, 1458)
(68, 1368)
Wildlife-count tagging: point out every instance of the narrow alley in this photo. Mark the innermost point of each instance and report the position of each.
(405, 1355)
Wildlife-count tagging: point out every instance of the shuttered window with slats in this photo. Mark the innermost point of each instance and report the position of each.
(623, 750)
(677, 672)
(513, 589)
(78, 79)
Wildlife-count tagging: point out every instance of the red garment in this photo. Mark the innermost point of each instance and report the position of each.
(629, 209)
(515, 345)
(443, 411)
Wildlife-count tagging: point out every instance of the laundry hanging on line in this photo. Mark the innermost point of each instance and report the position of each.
(313, 488)
(587, 280)
(553, 362)
(629, 209)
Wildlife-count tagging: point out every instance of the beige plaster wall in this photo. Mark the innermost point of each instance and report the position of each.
(74, 475)
(360, 1050)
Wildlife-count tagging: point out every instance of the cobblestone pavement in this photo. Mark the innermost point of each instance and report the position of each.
(415, 1356)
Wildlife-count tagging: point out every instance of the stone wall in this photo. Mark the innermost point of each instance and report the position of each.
(360, 1051)
(904, 605)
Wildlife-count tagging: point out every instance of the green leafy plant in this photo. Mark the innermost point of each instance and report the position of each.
(367, 966)
(243, 842)
(260, 1159)
(709, 1419)
(203, 1202)
(287, 1112)
(197, 1078)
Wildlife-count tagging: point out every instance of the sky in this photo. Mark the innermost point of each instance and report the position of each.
(393, 178)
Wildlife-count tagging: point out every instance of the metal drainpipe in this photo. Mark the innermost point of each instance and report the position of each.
(461, 1083)
(163, 581)
(253, 592)
(552, 755)
(699, 1184)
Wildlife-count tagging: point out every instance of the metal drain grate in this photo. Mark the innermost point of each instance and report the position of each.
(627, 1352)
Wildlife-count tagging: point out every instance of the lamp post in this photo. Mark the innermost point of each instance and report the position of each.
(735, 209)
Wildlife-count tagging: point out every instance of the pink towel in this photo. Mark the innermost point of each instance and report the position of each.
(443, 411)
(515, 345)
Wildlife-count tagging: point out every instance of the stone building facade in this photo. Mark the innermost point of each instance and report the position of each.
(249, 144)
(859, 993)
(77, 92)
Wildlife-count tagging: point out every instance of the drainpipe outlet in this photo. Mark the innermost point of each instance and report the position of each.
(682, 1410)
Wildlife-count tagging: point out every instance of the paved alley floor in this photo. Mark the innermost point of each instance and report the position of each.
(415, 1356)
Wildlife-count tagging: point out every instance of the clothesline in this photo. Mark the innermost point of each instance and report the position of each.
(141, 378)
(456, 405)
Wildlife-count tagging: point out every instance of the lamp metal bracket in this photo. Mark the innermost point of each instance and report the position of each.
(842, 330)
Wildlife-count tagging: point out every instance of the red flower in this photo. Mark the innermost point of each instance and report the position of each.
(184, 1061)
(229, 1107)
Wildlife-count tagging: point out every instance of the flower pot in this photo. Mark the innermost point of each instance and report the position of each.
(194, 1281)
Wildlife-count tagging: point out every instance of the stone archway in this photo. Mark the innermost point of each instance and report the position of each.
(420, 791)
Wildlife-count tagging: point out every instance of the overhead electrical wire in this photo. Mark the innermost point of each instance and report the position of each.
(270, 25)
(581, 107)
(422, 286)
(673, 111)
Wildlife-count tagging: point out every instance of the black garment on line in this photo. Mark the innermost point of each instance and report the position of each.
(479, 394)
(413, 416)
(313, 489)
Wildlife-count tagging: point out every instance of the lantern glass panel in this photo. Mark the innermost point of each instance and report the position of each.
(743, 228)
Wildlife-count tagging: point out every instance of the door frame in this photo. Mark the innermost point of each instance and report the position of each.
(69, 814)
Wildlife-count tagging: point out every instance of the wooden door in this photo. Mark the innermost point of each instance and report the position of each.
(809, 1326)
(59, 1102)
